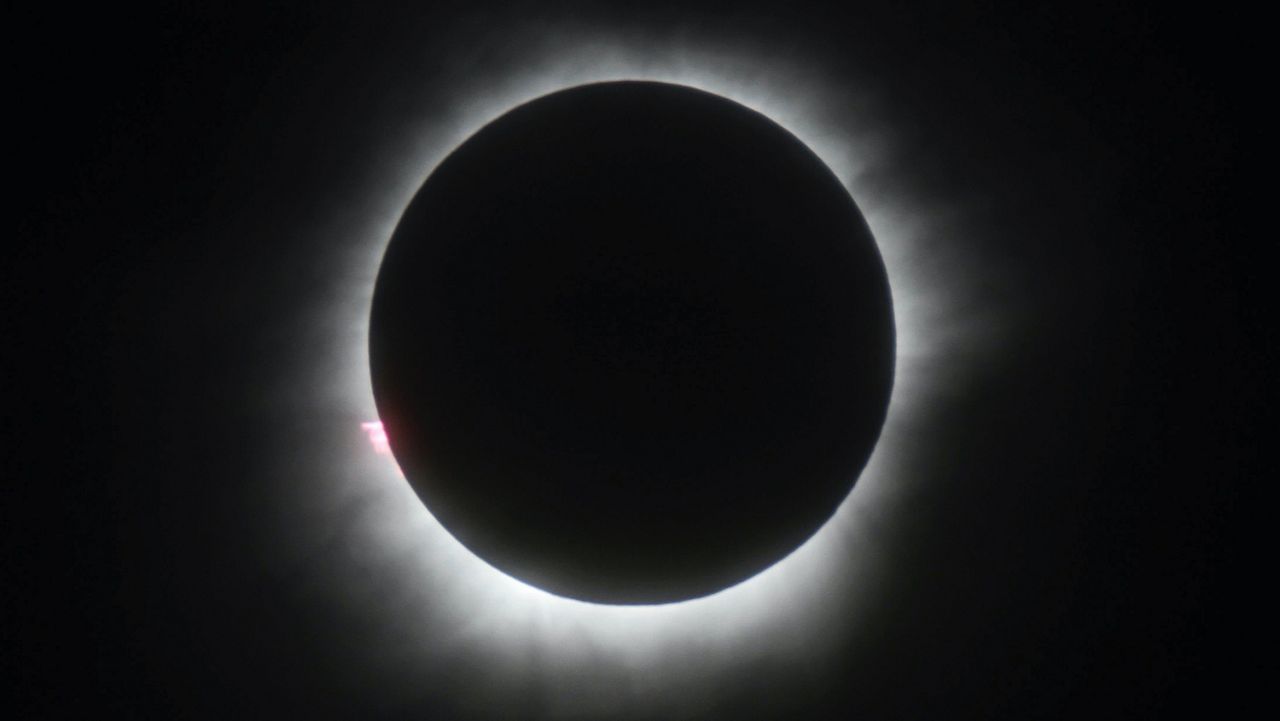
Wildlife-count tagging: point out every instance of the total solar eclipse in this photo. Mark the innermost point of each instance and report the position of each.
(632, 343)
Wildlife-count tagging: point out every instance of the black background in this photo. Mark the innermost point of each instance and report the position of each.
(1084, 552)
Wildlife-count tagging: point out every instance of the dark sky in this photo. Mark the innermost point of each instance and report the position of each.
(1074, 542)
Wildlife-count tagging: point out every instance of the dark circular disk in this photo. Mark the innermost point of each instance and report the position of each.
(632, 342)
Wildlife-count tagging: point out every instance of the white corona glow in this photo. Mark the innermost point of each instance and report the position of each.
(434, 599)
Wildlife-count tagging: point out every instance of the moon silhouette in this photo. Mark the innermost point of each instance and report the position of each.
(632, 343)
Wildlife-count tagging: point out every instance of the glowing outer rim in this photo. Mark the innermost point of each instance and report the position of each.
(796, 608)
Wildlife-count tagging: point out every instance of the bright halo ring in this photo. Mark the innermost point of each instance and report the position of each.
(429, 596)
